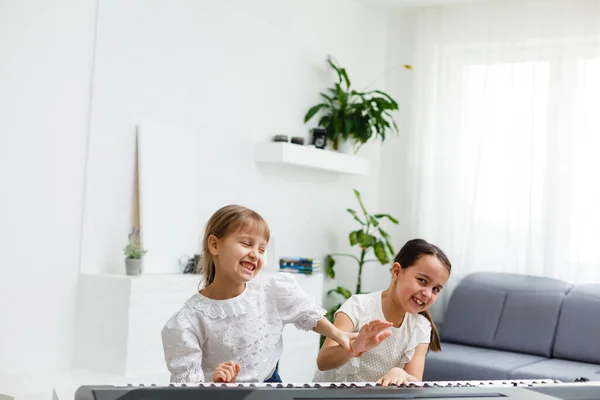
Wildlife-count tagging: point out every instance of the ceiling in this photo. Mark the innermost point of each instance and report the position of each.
(413, 3)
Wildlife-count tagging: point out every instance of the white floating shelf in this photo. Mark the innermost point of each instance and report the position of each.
(310, 157)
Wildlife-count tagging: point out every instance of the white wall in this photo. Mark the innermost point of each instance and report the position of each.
(45, 72)
(238, 72)
(399, 52)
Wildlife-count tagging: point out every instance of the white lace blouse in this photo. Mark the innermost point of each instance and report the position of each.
(246, 329)
(395, 351)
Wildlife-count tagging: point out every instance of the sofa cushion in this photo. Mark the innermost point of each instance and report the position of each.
(473, 314)
(578, 328)
(460, 362)
(562, 370)
(508, 311)
(528, 322)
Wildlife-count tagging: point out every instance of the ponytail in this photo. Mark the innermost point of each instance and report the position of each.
(206, 266)
(434, 340)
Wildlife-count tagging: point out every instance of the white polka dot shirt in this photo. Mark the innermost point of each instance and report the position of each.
(395, 351)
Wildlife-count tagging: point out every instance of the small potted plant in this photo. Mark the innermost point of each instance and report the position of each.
(134, 253)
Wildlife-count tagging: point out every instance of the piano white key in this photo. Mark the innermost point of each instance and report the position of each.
(523, 382)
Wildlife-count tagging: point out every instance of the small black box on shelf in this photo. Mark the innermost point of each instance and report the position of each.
(319, 137)
(281, 138)
(297, 140)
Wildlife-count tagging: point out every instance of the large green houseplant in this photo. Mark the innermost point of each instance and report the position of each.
(350, 115)
(371, 239)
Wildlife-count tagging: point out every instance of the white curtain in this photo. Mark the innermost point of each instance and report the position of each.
(503, 151)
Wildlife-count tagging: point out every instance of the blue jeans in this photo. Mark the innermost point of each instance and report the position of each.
(275, 378)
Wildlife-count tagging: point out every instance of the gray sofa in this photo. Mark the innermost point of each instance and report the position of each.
(509, 326)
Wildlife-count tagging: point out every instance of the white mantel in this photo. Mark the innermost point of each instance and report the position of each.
(119, 319)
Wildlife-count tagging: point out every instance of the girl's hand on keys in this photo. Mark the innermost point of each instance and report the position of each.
(396, 376)
(226, 372)
(370, 335)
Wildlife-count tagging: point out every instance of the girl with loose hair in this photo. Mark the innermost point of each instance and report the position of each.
(419, 272)
(231, 330)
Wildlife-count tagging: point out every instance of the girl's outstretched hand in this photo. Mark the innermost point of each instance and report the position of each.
(344, 339)
(226, 372)
(370, 335)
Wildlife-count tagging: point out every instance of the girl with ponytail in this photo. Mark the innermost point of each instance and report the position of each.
(419, 272)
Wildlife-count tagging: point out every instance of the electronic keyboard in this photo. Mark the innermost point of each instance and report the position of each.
(540, 389)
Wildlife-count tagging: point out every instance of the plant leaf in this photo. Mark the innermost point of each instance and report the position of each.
(329, 99)
(353, 237)
(341, 291)
(312, 111)
(373, 220)
(388, 216)
(355, 215)
(366, 240)
(362, 206)
(346, 78)
(341, 72)
(380, 252)
(335, 67)
(387, 97)
(329, 264)
(386, 238)
(390, 248)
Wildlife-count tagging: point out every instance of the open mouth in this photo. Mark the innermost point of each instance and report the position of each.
(418, 302)
(248, 266)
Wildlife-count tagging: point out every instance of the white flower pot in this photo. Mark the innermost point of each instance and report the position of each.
(346, 146)
(133, 266)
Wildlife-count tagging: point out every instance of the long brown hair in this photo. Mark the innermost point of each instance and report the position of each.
(224, 221)
(407, 257)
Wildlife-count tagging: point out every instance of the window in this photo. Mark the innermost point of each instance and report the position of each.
(585, 173)
(504, 131)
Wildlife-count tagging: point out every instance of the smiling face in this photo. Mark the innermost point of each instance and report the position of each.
(240, 255)
(416, 288)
